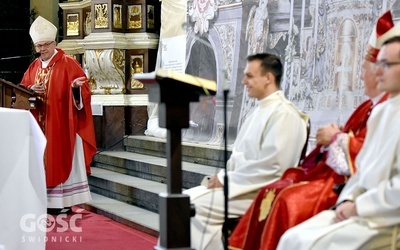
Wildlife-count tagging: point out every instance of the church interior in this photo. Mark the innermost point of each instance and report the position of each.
(154, 143)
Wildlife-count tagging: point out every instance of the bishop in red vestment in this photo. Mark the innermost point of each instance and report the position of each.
(65, 116)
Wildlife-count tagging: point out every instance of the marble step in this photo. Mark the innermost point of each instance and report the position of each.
(126, 214)
(129, 189)
(149, 167)
(205, 154)
(116, 183)
(125, 185)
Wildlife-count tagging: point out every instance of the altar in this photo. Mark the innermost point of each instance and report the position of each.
(22, 181)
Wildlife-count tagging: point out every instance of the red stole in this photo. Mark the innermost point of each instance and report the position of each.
(58, 117)
(300, 193)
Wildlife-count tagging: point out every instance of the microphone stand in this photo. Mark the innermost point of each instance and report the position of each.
(14, 57)
(226, 186)
(186, 27)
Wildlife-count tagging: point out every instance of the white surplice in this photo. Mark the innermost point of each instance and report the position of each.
(269, 142)
(375, 189)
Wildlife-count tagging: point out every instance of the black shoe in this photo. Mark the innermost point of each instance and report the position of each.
(53, 211)
(66, 210)
(57, 211)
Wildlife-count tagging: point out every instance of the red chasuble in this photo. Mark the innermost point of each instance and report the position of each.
(58, 117)
(300, 193)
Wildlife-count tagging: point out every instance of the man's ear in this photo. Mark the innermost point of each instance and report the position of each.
(270, 77)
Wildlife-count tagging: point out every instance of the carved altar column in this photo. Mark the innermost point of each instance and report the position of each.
(116, 39)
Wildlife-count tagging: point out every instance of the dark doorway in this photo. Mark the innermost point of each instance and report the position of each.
(16, 47)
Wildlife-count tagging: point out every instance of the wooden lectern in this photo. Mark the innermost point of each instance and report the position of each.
(174, 91)
(14, 96)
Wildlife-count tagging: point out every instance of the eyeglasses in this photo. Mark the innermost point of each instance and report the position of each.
(386, 65)
(43, 46)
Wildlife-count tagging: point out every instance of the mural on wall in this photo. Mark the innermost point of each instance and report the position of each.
(320, 42)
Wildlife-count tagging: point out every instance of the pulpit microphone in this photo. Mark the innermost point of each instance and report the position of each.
(186, 27)
(15, 57)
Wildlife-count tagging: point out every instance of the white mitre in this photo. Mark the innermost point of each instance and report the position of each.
(42, 30)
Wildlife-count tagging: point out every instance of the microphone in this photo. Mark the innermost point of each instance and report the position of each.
(15, 57)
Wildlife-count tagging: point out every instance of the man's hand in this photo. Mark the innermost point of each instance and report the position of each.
(345, 210)
(78, 82)
(213, 182)
(325, 134)
(38, 88)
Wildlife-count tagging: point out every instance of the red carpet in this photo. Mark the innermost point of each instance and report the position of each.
(86, 230)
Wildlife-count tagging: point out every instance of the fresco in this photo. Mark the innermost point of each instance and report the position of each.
(320, 42)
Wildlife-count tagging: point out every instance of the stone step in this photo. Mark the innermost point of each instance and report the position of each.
(129, 189)
(149, 167)
(129, 215)
(125, 185)
(210, 155)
